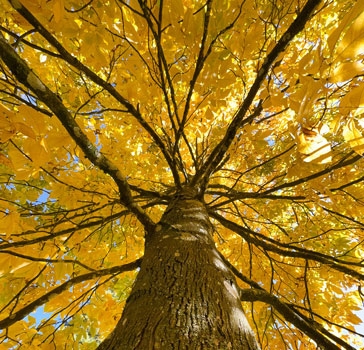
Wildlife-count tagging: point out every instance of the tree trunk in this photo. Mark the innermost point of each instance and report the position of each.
(184, 296)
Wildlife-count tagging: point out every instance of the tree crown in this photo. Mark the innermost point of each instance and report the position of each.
(110, 109)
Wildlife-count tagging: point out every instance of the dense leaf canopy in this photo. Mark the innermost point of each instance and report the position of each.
(108, 107)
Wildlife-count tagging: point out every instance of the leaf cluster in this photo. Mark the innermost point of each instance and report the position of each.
(108, 109)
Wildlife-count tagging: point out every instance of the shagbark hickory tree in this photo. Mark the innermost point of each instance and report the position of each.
(181, 174)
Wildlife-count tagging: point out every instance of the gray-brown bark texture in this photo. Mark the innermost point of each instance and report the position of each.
(184, 296)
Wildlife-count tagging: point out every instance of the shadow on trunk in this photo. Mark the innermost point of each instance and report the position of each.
(184, 297)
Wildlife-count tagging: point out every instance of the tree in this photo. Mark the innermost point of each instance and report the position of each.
(166, 165)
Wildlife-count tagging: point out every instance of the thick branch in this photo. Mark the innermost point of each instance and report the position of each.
(288, 250)
(50, 236)
(20, 314)
(342, 163)
(257, 293)
(27, 77)
(233, 195)
(73, 61)
(219, 151)
(310, 327)
(53, 234)
(238, 195)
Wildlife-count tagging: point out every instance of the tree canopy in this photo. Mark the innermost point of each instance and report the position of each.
(107, 108)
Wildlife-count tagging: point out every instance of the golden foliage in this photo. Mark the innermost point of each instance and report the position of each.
(155, 91)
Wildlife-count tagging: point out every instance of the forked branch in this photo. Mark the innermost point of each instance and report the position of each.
(74, 62)
(311, 328)
(201, 178)
(288, 250)
(20, 314)
(27, 77)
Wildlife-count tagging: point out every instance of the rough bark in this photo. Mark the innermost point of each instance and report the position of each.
(184, 297)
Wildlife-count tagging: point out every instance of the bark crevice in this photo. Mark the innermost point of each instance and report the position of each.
(184, 297)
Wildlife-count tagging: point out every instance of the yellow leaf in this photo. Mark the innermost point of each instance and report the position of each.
(346, 70)
(314, 146)
(354, 137)
(61, 269)
(6, 133)
(33, 118)
(333, 39)
(353, 101)
(25, 129)
(354, 319)
(352, 43)
(7, 129)
(186, 24)
(9, 223)
(37, 151)
(335, 124)
(6, 161)
(58, 10)
(31, 320)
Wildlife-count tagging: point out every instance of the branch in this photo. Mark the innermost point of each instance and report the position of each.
(219, 151)
(27, 77)
(53, 261)
(26, 102)
(73, 61)
(236, 195)
(346, 217)
(200, 62)
(286, 250)
(311, 328)
(342, 163)
(199, 65)
(257, 293)
(166, 83)
(239, 195)
(50, 236)
(20, 314)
